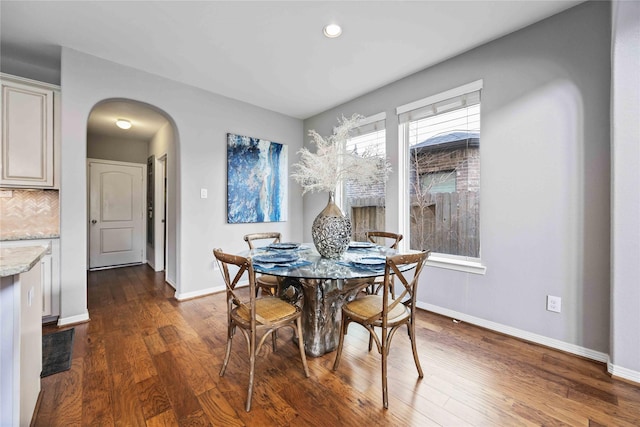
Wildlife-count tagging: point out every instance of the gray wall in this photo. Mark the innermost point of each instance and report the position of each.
(625, 236)
(117, 149)
(201, 121)
(544, 221)
(30, 70)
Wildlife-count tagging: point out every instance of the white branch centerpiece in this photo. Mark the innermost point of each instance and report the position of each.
(331, 165)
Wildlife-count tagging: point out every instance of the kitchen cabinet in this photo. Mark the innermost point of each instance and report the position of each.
(50, 274)
(21, 334)
(30, 131)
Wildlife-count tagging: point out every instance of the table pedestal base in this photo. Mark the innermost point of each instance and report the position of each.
(322, 311)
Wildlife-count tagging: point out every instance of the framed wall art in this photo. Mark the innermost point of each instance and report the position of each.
(257, 176)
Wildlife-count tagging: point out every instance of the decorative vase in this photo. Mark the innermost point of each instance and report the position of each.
(331, 230)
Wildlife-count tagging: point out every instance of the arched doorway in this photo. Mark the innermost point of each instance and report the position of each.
(149, 143)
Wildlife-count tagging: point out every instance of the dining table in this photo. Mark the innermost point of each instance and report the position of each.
(321, 285)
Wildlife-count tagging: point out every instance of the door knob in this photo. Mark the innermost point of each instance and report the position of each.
(93, 221)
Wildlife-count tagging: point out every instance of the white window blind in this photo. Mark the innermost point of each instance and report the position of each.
(441, 107)
(459, 97)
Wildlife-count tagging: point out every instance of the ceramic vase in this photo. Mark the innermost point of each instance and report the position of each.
(331, 230)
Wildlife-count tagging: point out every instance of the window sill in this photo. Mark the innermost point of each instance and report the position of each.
(457, 264)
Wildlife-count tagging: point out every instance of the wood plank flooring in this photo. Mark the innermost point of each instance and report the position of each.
(146, 359)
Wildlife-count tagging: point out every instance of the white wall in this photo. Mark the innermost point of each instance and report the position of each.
(201, 122)
(545, 178)
(625, 188)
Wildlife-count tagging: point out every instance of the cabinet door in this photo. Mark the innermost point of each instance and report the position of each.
(50, 269)
(27, 136)
(47, 275)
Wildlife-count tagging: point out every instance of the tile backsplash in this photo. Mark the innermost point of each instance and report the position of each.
(29, 214)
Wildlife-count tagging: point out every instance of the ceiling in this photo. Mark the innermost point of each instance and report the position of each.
(145, 121)
(267, 53)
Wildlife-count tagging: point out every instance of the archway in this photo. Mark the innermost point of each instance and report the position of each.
(150, 141)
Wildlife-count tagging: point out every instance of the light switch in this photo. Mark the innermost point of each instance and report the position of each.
(203, 193)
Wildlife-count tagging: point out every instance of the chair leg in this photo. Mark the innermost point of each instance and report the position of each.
(385, 351)
(274, 336)
(412, 337)
(227, 352)
(303, 355)
(252, 368)
(336, 363)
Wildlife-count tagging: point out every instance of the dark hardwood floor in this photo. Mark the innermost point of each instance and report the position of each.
(146, 359)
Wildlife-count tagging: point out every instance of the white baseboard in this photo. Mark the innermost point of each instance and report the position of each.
(519, 333)
(616, 371)
(624, 373)
(199, 293)
(80, 318)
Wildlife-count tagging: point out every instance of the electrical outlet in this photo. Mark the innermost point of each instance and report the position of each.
(203, 193)
(554, 304)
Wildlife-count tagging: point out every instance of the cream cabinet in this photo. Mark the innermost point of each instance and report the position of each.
(50, 272)
(20, 346)
(30, 133)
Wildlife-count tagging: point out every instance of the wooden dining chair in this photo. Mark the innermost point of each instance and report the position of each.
(387, 313)
(257, 318)
(388, 239)
(264, 281)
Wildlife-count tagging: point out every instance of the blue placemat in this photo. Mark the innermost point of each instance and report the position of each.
(296, 264)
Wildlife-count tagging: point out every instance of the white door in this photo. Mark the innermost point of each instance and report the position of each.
(116, 233)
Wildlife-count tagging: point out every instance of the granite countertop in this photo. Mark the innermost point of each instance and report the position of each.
(37, 236)
(19, 260)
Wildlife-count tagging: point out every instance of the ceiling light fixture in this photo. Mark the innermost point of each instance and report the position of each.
(123, 123)
(332, 31)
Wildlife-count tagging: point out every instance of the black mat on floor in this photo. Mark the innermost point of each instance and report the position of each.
(56, 352)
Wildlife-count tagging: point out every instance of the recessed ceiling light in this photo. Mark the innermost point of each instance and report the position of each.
(332, 30)
(123, 123)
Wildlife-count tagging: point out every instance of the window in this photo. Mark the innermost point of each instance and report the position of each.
(440, 138)
(438, 182)
(365, 204)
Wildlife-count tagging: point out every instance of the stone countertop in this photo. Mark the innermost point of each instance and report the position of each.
(37, 236)
(21, 259)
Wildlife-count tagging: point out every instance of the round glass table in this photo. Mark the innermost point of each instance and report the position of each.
(321, 285)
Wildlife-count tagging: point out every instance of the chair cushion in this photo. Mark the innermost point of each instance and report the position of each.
(369, 305)
(271, 309)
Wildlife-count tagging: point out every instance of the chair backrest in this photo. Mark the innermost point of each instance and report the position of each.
(392, 271)
(372, 235)
(274, 237)
(244, 265)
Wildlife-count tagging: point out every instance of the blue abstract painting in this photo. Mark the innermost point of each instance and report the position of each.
(256, 180)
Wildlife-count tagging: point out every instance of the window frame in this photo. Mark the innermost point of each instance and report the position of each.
(441, 260)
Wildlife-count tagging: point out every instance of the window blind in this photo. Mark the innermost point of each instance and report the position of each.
(460, 97)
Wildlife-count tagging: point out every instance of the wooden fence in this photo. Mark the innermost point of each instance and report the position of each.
(442, 222)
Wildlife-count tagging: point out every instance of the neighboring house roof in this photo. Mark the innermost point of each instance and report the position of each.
(456, 139)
